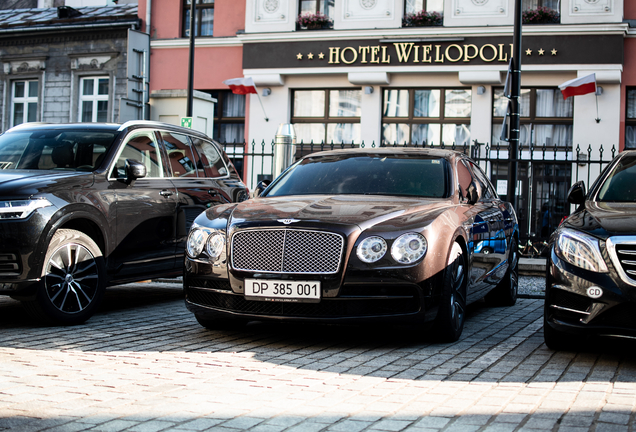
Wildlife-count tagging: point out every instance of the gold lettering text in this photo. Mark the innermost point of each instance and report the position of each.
(417, 54)
(334, 55)
(385, 58)
(403, 50)
(344, 59)
(364, 51)
(438, 58)
(494, 51)
(468, 57)
(374, 54)
(502, 57)
(426, 53)
(448, 48)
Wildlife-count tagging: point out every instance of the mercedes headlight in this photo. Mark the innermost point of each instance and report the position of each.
(21, 209)
(580, 250)
(371, 249)
(408, 248)
(210, 240)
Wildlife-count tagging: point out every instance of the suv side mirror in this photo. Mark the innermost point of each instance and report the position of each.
(261, 186)
(134, 170)
(576, 194)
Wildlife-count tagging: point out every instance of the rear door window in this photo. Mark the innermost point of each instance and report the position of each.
(181, 157)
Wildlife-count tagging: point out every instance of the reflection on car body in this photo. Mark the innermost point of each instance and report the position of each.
(382, 234)
(591, 275)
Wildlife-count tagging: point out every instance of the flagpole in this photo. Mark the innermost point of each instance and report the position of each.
(259, 99)
(598, 120)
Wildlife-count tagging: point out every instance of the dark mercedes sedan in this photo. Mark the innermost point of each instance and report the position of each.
(591, 272)
(87, 205)
(399, 235)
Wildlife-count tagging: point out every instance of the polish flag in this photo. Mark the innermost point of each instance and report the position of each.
(579, 86)
(241, 85)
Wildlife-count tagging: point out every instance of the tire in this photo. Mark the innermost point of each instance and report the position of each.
(506, 292)
(219, 323)
(73, 280)
(449, 323)
(559, 341)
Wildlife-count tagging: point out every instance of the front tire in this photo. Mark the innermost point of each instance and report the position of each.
(506, 292)
(449, 323)
(72, 284)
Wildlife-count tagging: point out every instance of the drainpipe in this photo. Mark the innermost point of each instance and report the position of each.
(148, 9)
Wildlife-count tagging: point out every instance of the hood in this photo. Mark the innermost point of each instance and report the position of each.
(363, 211)
(20, 184)
(605, 219)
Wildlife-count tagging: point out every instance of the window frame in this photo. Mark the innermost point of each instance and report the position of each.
(412, 120)
(219, 119)
(199, 7)
(532, 119)
(24, 100)
(95, 98)
(326, 119)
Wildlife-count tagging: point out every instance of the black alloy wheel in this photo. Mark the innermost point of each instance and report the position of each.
(449, 323)
(72, 282)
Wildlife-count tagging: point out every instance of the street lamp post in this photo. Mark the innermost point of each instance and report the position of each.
(515, 95)
(191, 63)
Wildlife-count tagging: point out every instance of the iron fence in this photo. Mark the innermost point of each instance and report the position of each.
(545, 174)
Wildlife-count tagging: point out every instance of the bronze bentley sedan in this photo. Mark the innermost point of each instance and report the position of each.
(361, 235)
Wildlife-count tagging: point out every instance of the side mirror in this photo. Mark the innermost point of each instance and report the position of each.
(576, 194)
(135, 170)
(261, 186)
(471, 193)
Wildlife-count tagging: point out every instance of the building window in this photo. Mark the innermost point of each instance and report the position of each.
(546, 119)
(324, 7)
(426, 116)
(327, 116)
(24, 100)
(630, 119)
(229, 117)
(535, 4)
(415, 6)
(203, 18)
(93, 106)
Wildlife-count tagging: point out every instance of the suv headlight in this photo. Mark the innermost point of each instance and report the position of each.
(21, 209)
(409, 248)
(580, 250)
(210, 240)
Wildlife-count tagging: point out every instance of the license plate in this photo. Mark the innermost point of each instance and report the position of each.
(282, 290)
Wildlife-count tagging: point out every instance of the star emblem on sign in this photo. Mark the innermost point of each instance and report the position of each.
(321, 56)
(528, 52)
(299, 56)
(310, 56)
(541, 51)
(554, 51)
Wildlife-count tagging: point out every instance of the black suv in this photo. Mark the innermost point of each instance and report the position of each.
(84, 206)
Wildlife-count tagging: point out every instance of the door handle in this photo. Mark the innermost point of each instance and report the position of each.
(165, 193)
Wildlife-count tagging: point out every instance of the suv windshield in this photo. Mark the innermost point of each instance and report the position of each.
(46, 149)
(620, 184)
(366, 174)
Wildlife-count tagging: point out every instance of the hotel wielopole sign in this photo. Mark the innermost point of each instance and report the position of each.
(537, 50)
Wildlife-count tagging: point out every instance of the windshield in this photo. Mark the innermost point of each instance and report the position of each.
(366, 174)
(46, 149)
(620, 184)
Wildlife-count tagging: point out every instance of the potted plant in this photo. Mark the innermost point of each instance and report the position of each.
(313, 21)
(422, 18)
(540, 15)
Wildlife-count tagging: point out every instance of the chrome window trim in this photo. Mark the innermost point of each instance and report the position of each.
(611, 243)
(286, 230)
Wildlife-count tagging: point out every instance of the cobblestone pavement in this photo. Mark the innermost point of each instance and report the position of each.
(144, 364)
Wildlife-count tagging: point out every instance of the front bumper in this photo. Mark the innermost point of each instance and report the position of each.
(362, 297)
(570, 309)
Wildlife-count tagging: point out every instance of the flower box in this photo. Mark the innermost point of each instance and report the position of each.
(422, 18)
(314, 21)
(540, 15)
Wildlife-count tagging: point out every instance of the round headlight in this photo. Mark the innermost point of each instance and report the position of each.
(371, 249)
(196, 242)
(409, 248)
(214, 246)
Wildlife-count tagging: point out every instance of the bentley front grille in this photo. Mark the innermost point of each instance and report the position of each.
(287, 251)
